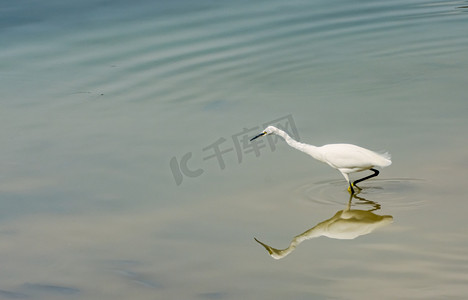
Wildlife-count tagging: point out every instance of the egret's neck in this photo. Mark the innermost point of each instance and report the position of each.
(309, 149)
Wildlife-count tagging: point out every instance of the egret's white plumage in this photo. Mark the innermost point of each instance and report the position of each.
(346, 158)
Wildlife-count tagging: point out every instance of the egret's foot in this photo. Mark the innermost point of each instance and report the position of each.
(352, 188)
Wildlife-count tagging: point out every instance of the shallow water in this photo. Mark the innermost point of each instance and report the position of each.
(112, 113)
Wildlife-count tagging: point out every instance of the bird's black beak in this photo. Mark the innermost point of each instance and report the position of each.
(258, 135)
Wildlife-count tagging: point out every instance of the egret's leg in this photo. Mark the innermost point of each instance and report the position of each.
(376, 172)
(350, 188)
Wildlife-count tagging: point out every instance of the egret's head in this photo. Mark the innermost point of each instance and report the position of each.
(266, 131)
(270, 130)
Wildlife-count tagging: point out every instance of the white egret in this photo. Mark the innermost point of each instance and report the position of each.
(346, 158)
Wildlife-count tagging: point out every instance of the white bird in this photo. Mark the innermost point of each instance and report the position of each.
(346, 158)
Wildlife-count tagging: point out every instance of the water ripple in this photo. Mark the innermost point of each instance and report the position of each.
(393, 192)
(179, 56)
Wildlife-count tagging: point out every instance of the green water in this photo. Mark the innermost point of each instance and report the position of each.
(112, 113)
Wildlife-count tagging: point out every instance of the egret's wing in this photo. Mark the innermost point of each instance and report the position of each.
(346, 156)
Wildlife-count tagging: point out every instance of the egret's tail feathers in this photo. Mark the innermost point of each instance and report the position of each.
(386, 155)
(386, 159)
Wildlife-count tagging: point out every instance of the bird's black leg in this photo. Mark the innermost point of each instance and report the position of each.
(376, 172)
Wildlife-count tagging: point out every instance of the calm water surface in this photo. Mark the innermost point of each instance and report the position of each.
(112, 113)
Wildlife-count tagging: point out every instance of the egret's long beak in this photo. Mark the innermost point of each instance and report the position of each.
(258, 135)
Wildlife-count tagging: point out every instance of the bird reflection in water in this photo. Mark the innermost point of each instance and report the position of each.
(346, 224)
